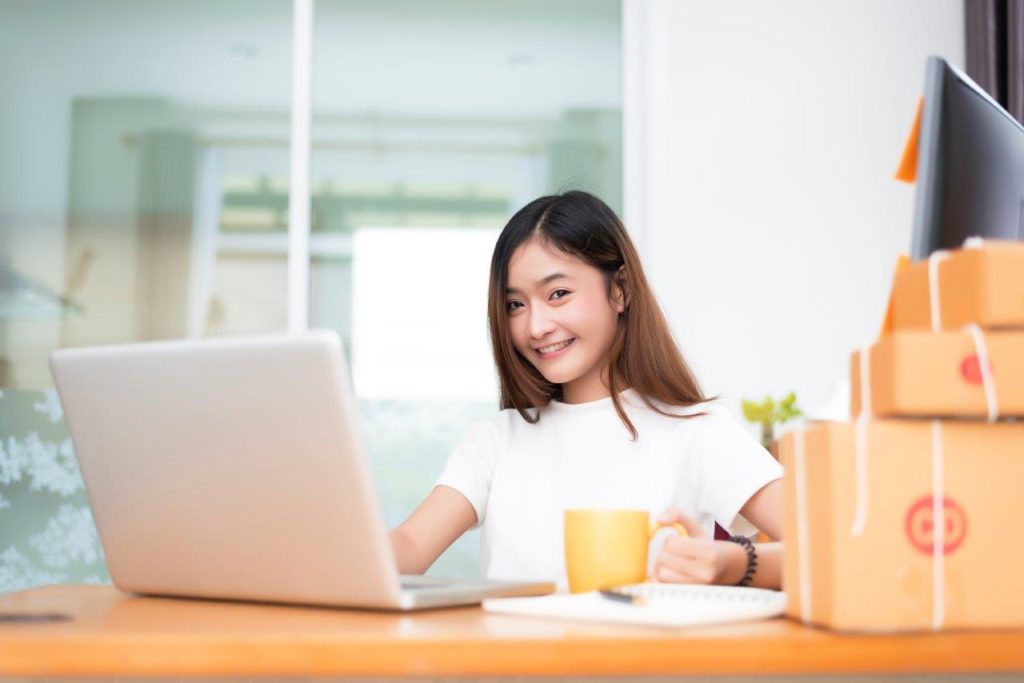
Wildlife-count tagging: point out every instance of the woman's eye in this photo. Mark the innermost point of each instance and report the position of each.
(512, 305)
(562, 292)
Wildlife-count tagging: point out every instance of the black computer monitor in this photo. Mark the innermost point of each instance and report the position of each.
(970, 165)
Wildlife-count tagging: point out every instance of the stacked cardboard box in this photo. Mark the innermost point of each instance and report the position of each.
(912, 516)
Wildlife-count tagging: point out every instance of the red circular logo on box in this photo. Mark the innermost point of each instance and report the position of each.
(920, 525)
(970, 369)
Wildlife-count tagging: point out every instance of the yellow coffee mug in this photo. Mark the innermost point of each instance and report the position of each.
(605, 548)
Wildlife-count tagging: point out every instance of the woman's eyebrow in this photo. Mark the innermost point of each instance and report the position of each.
(543, 281)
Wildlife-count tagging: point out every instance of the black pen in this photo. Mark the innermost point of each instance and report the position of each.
(617, 596)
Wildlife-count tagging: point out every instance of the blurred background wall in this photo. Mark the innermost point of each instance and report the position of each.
(761, 140)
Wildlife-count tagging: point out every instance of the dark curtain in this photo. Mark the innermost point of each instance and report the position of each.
(995, 50)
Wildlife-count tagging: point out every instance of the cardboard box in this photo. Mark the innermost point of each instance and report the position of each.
(983, 285)
(930, 374)
(888, 573)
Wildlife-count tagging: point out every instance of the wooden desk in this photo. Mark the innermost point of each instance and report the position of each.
(114, 634)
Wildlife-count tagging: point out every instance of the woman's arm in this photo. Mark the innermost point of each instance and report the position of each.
(437, 523)
(698, 559)
(764, 509)
(769, 565)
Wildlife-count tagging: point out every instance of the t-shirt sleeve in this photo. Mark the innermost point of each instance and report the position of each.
(470, 466)
(733, 467)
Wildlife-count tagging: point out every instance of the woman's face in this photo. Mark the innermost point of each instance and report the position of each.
(561, 319)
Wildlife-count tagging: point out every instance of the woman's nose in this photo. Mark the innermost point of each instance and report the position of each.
(540, 322)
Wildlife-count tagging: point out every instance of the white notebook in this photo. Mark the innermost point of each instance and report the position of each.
(669, 605)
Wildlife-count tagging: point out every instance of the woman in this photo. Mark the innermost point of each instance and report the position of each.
(599, 410)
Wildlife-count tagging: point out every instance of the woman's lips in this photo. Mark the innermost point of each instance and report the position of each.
(557, 352)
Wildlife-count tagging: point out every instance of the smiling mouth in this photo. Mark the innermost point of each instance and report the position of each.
(555, 347)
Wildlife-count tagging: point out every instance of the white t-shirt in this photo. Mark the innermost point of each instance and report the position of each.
(520, 477)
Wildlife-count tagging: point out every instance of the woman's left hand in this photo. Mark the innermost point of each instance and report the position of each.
(696, 558)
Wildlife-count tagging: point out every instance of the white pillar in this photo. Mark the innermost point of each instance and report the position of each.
(298, 186)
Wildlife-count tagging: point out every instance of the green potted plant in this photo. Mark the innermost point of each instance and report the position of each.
(769, 413)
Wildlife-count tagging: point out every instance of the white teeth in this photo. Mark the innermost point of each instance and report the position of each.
(555, 347)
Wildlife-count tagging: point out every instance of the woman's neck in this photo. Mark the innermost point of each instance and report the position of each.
(592, 386)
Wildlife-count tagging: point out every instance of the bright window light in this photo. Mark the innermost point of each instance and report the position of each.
(419, 318)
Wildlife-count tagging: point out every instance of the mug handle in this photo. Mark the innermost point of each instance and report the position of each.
(657, 526)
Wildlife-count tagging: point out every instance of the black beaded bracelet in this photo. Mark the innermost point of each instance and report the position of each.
(748, 575)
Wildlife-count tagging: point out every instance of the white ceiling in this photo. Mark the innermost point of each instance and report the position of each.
(498, 58)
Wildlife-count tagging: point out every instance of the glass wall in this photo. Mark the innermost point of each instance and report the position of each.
(144, 195)
(120, 162)
(433, 123)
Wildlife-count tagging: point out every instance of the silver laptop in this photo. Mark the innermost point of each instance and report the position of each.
(233, 469)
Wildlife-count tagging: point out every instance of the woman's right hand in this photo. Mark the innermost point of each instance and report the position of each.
(696, 558)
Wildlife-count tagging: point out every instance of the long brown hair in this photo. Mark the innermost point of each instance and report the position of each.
(643, 354)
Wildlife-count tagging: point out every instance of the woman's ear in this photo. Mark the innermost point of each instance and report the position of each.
(620, 297)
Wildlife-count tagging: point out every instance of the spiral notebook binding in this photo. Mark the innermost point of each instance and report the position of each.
(653, 591)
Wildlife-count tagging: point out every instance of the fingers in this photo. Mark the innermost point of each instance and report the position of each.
(687, 560)
(684, 554)
(674, 515)
(697, 549)
(683, 570)
(692, 527)
(670, 516)
(666, 575)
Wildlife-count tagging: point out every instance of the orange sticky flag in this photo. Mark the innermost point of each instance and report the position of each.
(907, 171)
(902, 261)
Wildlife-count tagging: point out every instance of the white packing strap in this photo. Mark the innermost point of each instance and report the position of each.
(974, 242)
(938, 531)
(860, 446)
(981, 351)
(803, 551)
(934, 260)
